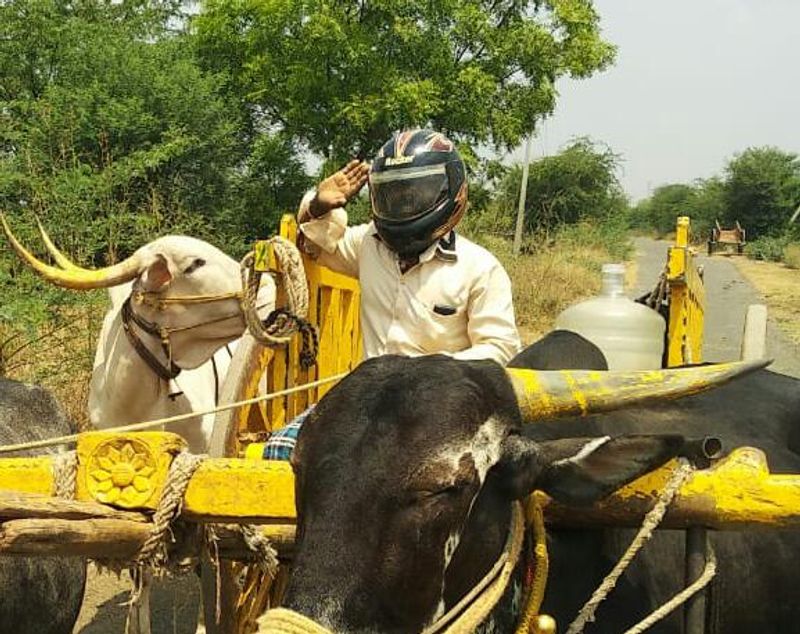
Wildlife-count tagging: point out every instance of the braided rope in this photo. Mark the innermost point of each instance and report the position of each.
(651, 521)
(65, 474)
(60, 440)
(534, 517)
(153, 553)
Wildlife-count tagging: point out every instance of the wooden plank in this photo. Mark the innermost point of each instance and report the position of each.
(235, 490)
(116, 539)
(15, 505)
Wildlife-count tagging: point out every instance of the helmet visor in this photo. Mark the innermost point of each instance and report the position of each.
(405, 194)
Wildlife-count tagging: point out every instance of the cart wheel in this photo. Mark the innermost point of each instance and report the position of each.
(740, 249)
(754, 337)
(710, 248)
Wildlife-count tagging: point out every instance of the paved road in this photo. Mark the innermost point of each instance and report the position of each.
(728, 295)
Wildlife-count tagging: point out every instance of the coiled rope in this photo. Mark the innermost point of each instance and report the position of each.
(281, 324)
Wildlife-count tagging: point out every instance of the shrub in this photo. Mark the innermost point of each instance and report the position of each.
(767, 248)
(791, 255)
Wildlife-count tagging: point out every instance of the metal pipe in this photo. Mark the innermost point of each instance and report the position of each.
(694, 614)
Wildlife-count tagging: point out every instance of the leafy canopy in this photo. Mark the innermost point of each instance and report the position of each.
(340, 77)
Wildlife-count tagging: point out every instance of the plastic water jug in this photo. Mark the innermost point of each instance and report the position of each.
(630, 335)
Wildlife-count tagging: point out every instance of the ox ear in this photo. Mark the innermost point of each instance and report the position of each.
(583, 470)
(156, 274)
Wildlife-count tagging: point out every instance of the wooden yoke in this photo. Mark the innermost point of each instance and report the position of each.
(131, 469)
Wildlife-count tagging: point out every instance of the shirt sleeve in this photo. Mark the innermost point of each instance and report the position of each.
(339, 245)
(491, 325)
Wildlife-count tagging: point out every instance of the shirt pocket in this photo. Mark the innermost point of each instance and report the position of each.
(441, 323)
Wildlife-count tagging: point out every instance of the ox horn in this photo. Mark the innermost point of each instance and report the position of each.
(553, 394)
(62, 260)
(74, 277)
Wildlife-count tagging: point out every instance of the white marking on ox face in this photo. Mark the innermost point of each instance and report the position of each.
(450, 548)
(486, 446)
(589, 448)
(484, 450)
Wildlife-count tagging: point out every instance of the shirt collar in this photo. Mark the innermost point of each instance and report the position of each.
(444, 249)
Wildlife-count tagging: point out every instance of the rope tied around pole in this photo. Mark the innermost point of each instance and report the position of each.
(65, 474)
(154, 552)
(651, 521)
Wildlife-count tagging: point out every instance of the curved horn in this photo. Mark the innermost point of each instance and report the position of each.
(62, 260)
(553, 394)
(75, 278)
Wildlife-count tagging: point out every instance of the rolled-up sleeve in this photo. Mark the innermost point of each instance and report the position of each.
(339, 245)
(491, 325)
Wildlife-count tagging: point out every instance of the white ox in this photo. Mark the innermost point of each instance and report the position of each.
(181, 286)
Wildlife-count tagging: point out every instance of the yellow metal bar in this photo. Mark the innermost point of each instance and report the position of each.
(737, 493)
(686, 301)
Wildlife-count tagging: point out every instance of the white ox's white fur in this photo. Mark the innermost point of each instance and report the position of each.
(124, 389)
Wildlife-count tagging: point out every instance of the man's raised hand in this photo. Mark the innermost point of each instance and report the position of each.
(339, 188)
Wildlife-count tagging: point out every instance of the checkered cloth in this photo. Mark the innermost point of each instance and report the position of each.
(281, 443)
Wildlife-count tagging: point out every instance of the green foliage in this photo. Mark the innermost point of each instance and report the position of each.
(578, 183)
(340, 77)
(762, 190)
(662, 209)
(769, 248)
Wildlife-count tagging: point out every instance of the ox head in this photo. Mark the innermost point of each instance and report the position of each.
(171, 267)
(404, 477)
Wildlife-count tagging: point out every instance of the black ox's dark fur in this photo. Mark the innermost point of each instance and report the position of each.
(758, 580)
(39, 595)
(377, 502)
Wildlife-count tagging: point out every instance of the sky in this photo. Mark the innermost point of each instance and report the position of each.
(694, 83)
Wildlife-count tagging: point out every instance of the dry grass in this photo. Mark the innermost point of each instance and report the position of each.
(60, 359)
(780, 286)
(548, 279)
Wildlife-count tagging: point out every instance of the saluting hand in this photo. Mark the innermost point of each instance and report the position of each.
(339, 188)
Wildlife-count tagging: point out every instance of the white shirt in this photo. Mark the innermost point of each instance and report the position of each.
(456, 301)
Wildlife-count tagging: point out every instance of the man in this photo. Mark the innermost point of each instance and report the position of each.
(424, 289)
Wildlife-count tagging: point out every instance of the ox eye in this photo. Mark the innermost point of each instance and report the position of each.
(196, 264)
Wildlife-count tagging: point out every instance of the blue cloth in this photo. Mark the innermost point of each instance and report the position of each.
(281, 443)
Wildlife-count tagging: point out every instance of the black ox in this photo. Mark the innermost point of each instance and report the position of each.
(757, 583)
(39, 595)
(405, 475)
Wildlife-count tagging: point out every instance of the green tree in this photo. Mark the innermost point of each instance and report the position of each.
(578, 183)
(339, 77)
(662, 209)
(706, 206)
(762, 190)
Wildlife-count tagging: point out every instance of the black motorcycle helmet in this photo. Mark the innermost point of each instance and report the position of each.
(418, 189)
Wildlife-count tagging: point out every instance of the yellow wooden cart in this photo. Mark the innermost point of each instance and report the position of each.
(736, 492)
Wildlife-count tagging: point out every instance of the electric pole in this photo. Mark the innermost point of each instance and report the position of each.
(523, 190)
